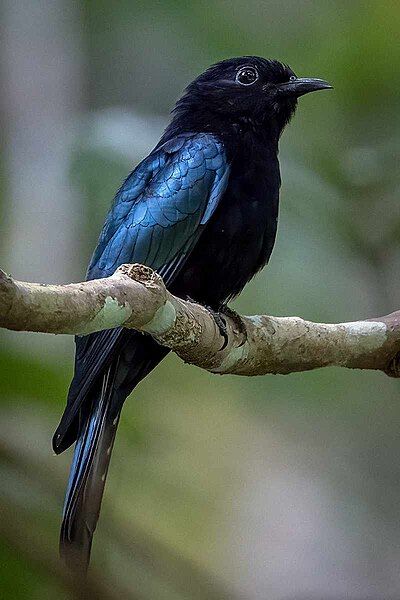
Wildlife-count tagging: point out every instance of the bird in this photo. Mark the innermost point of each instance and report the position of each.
(201, 210)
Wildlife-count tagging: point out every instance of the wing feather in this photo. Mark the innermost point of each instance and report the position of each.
(156, 219)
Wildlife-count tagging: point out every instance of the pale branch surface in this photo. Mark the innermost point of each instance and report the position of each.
(136, 297)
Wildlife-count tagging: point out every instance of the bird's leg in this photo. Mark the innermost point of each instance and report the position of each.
(236, 318)
(221, 324)
(219, 321)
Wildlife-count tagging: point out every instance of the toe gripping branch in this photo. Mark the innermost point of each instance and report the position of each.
(220, 320)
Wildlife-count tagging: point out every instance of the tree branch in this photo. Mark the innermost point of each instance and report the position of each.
(136, 297)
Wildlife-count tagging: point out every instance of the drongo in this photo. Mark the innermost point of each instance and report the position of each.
(202, 211)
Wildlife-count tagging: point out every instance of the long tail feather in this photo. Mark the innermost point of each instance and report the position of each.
(88, 474)
(93, 424)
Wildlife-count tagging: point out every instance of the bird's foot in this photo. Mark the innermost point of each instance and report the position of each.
(221, 324)
(236, 318)
(220, 321)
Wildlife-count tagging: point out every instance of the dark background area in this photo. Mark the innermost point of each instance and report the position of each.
(267, 488)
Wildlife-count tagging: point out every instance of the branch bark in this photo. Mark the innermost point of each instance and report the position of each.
(136, 297)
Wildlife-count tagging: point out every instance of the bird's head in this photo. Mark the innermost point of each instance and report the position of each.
(248, 89)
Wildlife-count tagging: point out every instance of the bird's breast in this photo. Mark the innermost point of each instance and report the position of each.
(238, 239)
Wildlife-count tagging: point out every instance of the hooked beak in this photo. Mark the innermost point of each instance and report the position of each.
(303, 85)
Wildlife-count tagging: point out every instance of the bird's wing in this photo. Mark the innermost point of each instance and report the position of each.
(156, 219)
(162, 204)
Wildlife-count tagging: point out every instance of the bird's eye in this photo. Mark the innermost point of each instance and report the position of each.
(292, 78)
(247, 76)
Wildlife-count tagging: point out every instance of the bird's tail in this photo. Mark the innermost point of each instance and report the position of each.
(91, 418)
(88, 473)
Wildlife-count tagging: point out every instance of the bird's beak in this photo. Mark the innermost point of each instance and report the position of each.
(303, 85)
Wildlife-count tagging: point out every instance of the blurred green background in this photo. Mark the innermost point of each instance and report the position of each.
(267, 488)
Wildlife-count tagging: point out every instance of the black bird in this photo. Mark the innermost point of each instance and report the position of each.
(202, 210)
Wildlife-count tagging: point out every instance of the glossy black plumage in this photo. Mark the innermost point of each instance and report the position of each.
(202, 210)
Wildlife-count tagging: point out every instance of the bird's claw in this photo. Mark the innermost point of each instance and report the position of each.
(221, 324)
(220, 321)
(236, 318)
